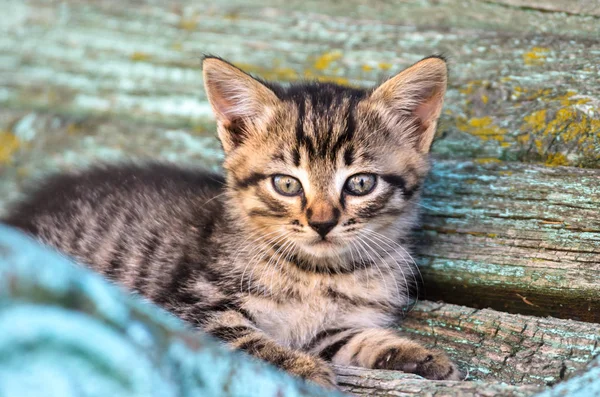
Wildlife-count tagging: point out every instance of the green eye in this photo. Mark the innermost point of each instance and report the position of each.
(360, 184)
(287, 185)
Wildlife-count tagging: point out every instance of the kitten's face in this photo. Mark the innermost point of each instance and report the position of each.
(323, 170)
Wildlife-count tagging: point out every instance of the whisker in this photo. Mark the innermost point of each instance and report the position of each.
(259, 251)
(213, 198)
(361, 260)
(402, 248)
(387, 264)
(255, 251)
(273, 269)
(382, 238)
(276, 240)
(361, 241)
(353, 264)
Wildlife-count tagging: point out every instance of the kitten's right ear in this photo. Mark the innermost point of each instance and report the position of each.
(241, 103)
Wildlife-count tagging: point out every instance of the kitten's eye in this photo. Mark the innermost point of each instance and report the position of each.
(360, 184)
(287, 185)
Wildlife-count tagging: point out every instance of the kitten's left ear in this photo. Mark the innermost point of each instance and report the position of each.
(412, 100)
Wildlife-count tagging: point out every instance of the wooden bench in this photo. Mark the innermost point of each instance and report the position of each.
(511, 211)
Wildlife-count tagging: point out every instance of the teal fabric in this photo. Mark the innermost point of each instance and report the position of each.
(65, 331)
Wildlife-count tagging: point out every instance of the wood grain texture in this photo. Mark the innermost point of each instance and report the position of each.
(523, 85)
(362, 382)
(514, 237)
(494, 346)
(576, 7)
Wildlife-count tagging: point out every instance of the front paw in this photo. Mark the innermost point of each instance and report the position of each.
(312, 369)
(324, 376)
(430, 364)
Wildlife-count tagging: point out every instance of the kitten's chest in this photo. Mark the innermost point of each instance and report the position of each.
(294, 323)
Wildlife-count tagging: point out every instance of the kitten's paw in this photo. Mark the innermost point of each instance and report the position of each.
(430, 364)
(325, 377)
(314, 370)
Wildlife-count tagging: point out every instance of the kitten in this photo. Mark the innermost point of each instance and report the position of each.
(298, 255)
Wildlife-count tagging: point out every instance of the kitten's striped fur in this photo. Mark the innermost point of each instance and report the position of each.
(239, 260)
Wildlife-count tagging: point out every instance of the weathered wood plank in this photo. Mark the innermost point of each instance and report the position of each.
(523, 239)
(510, 236)
(361, 382)
(580, 7)
(494, 346)
(524, 84)
(33, 143)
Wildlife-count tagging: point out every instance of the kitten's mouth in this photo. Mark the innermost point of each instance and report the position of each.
(324, 248)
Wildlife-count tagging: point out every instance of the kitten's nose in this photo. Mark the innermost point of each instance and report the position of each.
(322, 216)
(323, 227)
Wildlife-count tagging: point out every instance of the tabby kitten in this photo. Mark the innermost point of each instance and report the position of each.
(298, 255)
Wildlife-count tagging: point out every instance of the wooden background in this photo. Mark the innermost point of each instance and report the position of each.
(511, 213)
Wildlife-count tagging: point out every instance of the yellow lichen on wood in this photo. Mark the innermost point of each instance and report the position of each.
(536, 120)
(483, 128)
(139, 56)
(232, 16)
(568, 124)
(189, 23)
(333, 79)
(556, 159)
(288, 74)
(275, 73)
(551, 135)
(487, 160)
(309, 74)
(9, 144)
(325, 60)
(536, 56)
(567, 99)
(469, 88)
(72, 129)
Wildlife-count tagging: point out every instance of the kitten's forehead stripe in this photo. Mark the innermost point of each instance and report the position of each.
(349, 156)
(278, 157)
(347, 133)
(325, 120)
(296, 157)
(300, 123)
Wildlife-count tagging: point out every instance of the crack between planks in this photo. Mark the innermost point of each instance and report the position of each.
(539, 9)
